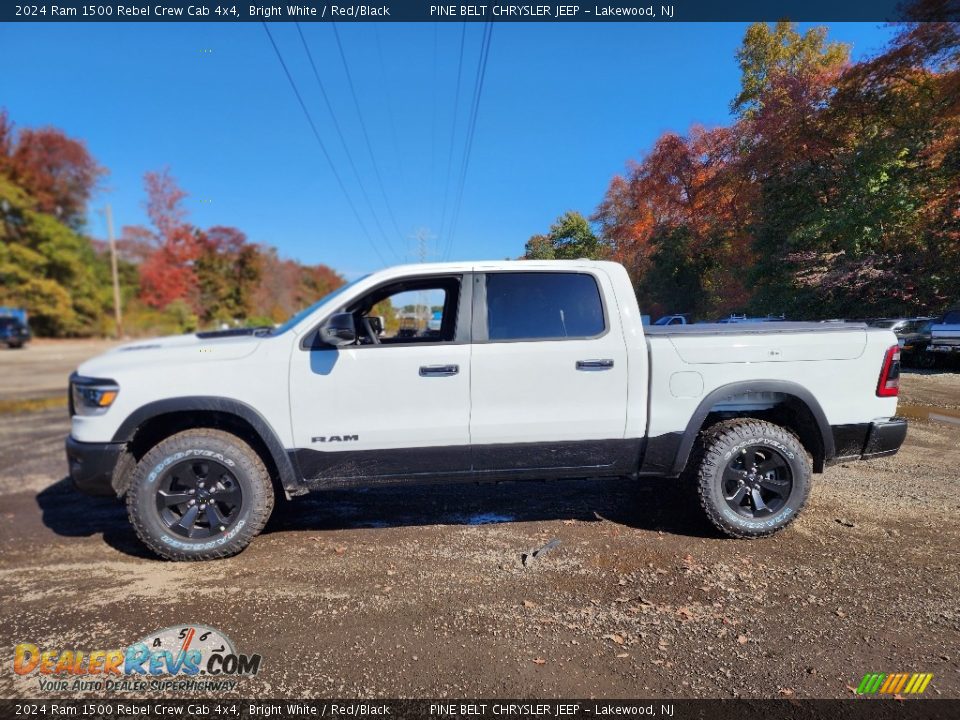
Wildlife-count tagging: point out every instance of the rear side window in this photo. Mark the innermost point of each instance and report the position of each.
(543, 306)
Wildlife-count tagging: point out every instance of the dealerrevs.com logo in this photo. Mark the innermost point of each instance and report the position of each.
(189, 657)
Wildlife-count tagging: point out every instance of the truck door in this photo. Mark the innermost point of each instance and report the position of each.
(549, 374)
(396, 402)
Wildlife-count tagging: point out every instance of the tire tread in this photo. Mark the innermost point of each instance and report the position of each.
(707, 460)
(257, 473)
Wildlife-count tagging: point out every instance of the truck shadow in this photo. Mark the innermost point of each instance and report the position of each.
(70, 513)
(646, 504)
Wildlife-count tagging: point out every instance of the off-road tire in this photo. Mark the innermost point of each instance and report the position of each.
(714, 450)
(245, 465)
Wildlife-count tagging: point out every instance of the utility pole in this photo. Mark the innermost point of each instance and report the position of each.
(118, 317)
(423, 237)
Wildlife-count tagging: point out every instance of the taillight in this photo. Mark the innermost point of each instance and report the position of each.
(889, 383)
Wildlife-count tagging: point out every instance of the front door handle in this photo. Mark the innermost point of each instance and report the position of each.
(588, 365)
(438, 370)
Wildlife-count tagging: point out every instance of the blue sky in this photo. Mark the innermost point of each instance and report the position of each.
(563, 107)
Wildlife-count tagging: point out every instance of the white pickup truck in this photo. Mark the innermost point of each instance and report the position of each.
(475, 371)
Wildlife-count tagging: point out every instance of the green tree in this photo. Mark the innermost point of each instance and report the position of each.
(48, 268)
(769, 55)
(569, 238)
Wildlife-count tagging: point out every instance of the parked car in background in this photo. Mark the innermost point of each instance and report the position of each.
(679, 319)
(945, 334)
(14, 330)
(914, 335)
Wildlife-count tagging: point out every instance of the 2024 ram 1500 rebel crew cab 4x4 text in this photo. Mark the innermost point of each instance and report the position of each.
(475, 371)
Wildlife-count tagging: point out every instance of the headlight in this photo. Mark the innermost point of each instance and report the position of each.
(91, 396)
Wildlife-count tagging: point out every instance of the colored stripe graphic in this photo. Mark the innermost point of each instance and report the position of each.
(895, 683)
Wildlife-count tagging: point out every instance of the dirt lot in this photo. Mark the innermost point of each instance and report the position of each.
(422, 591)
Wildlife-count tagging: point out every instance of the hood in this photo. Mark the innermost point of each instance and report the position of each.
(171, 350)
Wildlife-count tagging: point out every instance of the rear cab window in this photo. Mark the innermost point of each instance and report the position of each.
(543, 306)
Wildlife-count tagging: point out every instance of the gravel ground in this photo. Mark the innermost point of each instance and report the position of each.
(422, 591)
(40, 369)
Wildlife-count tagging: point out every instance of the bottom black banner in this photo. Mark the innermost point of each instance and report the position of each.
(852, 709)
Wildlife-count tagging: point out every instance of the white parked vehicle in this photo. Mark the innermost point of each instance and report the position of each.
(537, 370)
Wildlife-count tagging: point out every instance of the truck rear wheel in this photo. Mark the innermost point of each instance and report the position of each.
(752, 477)
(199, 495)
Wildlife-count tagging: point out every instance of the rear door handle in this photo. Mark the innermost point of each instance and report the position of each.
(438, 370)
(588, 365)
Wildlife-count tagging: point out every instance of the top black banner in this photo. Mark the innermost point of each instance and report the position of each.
(225, 11)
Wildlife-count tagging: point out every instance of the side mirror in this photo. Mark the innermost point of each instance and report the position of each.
(339, 329)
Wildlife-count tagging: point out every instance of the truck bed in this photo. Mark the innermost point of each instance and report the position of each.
(760, 328)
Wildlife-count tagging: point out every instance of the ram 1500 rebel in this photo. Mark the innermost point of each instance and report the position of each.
(475, 371)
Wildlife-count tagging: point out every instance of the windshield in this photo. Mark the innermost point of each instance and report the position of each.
(307, 310)
(917, 326)
(885, 324)
(664, 320)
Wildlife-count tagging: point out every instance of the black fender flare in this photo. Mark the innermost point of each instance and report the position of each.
(289, 477)
(725, 391)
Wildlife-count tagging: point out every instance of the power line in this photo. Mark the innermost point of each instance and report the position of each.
(475, 110)
(363, 128)
(433, 126)
(343, 141)
(320, 142)
(453, 131)
(388, 98)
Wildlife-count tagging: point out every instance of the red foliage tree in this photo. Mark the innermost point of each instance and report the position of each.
(168, 273)
(56, 170)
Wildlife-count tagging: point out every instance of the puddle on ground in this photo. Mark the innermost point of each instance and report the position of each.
(920, 412)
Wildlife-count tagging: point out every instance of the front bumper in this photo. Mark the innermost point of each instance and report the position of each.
(92, 465)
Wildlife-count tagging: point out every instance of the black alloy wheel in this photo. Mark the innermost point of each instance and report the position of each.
(757, 482)
(199, 498)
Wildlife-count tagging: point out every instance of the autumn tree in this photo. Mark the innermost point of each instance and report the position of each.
(56, 171)
(227, 269)
(677, 219)
(778, 61)
(859, 217)
(46, 264)
(168, 273)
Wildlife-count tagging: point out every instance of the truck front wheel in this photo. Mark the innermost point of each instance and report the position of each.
(199, 495)
(752, 477)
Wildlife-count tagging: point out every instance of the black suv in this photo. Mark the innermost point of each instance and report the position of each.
(914, 337)
(13, 332)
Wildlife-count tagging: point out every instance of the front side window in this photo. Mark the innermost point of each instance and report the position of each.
(415, 311)
(543, 306)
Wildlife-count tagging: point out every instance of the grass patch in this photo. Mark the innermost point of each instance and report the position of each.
(27, 405)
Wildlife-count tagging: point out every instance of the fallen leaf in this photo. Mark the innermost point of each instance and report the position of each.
(569, 522)
(539, 661)
(786, 692)
(742, 639)
(618, 639)
(529, 604)
(841, 614)
(340, 549)
(623, 655)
